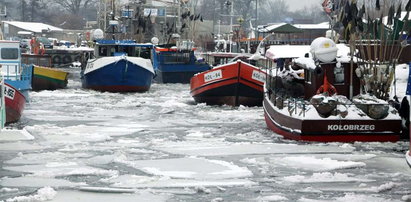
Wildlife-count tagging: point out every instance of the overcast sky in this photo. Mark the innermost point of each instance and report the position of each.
(299, 4)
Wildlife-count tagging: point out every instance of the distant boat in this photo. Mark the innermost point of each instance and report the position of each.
(119, 66)
(45, 77)
(176, 65)
(236, 83)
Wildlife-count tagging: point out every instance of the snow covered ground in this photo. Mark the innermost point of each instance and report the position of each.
(161, 146)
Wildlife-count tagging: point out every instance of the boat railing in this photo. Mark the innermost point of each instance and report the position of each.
(15, 73)
(299, 107)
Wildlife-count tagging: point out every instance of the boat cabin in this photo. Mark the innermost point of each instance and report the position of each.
(110, 48)
(338, 75)
(10, 59)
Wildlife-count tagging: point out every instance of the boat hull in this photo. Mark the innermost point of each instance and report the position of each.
(48, 79)
(120, 76)
(331, 130)
(232, 84)
(15, 103)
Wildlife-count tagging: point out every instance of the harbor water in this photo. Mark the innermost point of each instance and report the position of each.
(85, 145)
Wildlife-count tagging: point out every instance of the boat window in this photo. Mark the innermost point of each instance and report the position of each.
(176, 58)
(10, 53)
(143, 52)
(102, 51)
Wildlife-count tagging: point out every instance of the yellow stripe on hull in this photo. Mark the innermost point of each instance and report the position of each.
(49, 72)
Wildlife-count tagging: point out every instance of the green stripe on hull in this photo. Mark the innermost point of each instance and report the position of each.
(51, 79)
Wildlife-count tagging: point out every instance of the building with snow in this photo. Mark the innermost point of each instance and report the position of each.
(26, 29)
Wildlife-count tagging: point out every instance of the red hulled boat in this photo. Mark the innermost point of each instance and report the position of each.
(235, 84)
(315, 105)
(15, 103)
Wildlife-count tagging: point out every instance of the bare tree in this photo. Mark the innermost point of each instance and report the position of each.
(75, 6)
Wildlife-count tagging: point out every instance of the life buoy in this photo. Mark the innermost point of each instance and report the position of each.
(56, 59)
(67, 59)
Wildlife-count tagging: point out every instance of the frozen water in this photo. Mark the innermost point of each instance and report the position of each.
(85, 145)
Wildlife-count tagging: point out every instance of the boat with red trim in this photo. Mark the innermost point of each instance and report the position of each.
(176, 64)
(15, 102)
(119, 66)
(236, 83)
(309, 100)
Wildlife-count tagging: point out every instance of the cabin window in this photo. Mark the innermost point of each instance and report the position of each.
(9, 53)
(103, 51)
(176, 58)
(338, 75)
(143, 52)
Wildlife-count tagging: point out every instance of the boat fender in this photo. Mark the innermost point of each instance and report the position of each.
(67, 59)
(56, 59)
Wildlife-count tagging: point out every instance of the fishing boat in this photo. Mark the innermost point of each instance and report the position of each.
(309, 100)
(44, 77)
(176, 64)
(15, 102)
(236, 83)
(17, 80)
(16, 74)
(119, 66)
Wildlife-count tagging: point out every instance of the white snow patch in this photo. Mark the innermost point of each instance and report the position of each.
(194, 168)
(223, 149)
(37, 182)
(43, 194)
(274, 197)
(132, 181)
(6, 190)
(20, 146)
(324, 177)
(81, 196)
(315, 164)
(54, 169)
(14, 135)
(310, 190)
(385, 187)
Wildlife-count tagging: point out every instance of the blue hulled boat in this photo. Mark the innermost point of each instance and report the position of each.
(176, 64)
(119, 66)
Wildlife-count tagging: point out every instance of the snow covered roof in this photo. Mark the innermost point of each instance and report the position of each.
(324, 25)
(287, 51)
(280, 28)
(35, 27)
